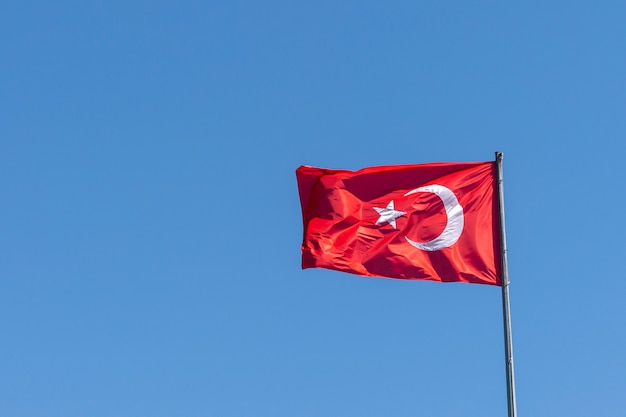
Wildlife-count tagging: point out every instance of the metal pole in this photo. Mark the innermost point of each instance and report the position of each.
(506, 307)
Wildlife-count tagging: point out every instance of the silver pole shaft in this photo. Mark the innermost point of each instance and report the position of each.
(506, 306)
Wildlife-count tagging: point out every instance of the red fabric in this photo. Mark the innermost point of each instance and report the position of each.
(340, 230)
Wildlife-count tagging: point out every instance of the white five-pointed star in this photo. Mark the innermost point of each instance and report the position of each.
(388, 214)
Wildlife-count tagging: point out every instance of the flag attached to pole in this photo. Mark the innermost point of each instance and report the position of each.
(435, 221)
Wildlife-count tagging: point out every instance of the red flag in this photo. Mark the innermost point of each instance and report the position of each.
(435, 221)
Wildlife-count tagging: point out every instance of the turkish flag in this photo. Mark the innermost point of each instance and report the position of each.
(435, 221)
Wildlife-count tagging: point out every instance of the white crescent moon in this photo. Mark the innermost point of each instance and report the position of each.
(453, 229)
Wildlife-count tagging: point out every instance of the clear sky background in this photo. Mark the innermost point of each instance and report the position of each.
(150, 225)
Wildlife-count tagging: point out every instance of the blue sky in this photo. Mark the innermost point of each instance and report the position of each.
(151, 224)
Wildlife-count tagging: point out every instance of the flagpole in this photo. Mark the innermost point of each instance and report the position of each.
(506, 306)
